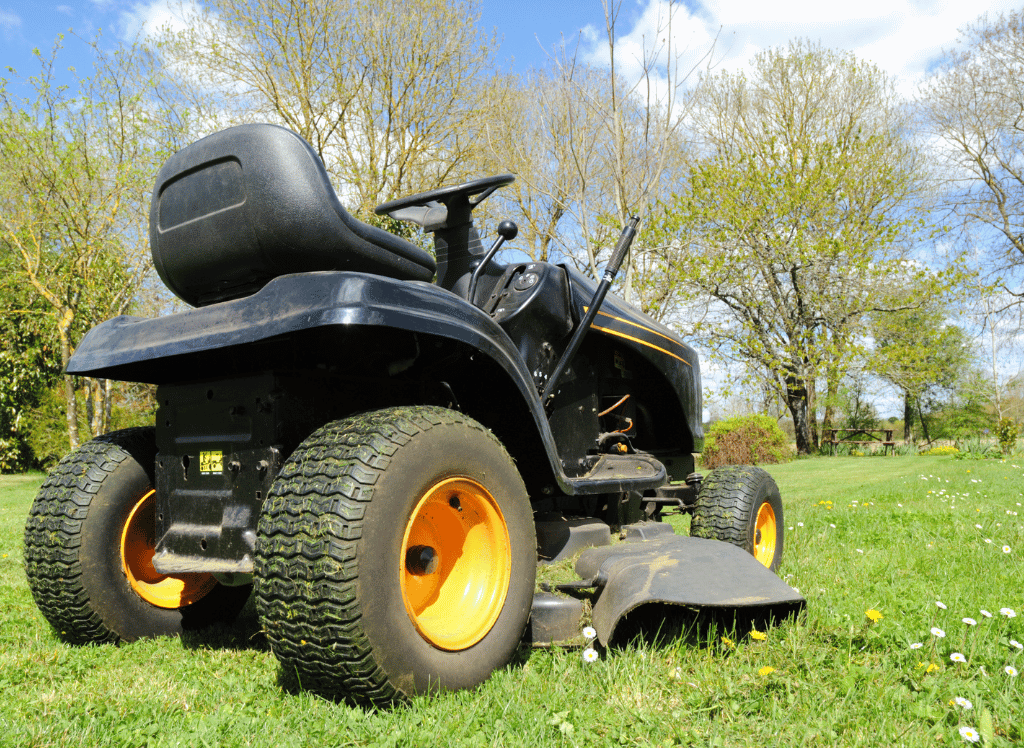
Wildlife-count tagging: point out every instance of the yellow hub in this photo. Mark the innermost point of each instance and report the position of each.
(137, 548)
(764, 535)
(456, 564)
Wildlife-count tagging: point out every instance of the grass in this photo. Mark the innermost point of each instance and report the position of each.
(894, 535)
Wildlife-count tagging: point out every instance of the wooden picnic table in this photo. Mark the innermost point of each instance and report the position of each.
(835, 437)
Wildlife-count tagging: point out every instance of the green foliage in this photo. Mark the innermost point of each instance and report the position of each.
(1007, 431)
(977, 448)
(745, 440)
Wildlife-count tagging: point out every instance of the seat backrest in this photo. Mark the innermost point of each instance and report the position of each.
(240, 207)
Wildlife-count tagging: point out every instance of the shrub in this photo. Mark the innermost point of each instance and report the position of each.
(745, 440)
(1007, 430)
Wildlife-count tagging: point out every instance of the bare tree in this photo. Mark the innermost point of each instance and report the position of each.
(974, 105)
(390, 93)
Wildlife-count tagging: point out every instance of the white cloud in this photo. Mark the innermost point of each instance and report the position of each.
(146, 19)
(902, 37)
(9, 23)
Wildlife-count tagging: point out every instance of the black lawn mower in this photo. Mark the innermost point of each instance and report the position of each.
(382, 446)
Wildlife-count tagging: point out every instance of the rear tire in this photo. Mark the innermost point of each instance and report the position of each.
(396, 555)
(88, 545)
(740, 504)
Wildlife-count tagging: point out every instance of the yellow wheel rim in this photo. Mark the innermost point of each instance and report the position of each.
(137, 549)
(455, 564)
(764, 535)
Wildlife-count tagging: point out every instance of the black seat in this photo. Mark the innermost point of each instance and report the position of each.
(236, 209)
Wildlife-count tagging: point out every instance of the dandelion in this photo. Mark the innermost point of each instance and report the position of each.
(590, 654)
(1016, 644)
(969, 734)
(758, 635)
(1006, 549)
(932, 667)
(1010, 670)
(916, 645)
(957, 657)
(766, 670)
(1008, 612)
(936, 631)
(986, 613)
(961, 702)
(970, 621)
(940, 605)
(873, 615)
(728, 642)
(589, 632)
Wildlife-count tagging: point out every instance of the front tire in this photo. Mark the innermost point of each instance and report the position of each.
(396, 555)
(89, 544)
(741, 504)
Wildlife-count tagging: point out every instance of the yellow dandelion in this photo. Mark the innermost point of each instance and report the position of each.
(873, 615)
(932, 667)
(766, 670)
(728, 642)
(758, 635)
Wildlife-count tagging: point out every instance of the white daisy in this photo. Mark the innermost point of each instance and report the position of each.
(589, 632)
(590, 654)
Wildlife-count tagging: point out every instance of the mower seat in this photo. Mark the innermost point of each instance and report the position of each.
(243, 206)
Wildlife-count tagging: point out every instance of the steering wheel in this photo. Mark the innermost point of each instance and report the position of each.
(458, 201)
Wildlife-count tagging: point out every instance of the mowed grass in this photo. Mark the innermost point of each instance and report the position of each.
(893, 535)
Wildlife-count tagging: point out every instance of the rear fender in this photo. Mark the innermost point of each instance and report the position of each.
(204, 342)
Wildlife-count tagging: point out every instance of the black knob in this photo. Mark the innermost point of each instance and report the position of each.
(508, 230)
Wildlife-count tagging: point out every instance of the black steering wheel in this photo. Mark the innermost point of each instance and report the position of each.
(458, 201)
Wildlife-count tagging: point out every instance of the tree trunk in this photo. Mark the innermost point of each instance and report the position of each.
(63, 328)
(908, 418)
(796, 400)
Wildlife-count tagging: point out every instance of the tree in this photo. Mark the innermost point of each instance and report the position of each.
(925, 358)
(75, 173)
(592, 145)
(799, 219)
(388, 92)
(974, 103)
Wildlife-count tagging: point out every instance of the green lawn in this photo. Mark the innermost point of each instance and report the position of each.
(894, 535)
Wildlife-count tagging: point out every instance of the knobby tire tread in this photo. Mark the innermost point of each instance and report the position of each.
(53, 533)
(306, 565)
(725, 502)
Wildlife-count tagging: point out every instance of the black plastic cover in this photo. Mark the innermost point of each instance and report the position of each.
(242, 206)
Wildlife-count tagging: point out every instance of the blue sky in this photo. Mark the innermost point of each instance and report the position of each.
(904, 37)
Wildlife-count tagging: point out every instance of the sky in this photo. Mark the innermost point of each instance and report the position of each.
(903, 37)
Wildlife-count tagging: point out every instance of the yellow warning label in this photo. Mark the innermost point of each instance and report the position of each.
(211, 462)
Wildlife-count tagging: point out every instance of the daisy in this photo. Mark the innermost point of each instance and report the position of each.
(916, 645)
(986, 614)
(969, 734)
(1006, 549)
(1016, 644)
(1010, 670)
(590, 654)
(963, 703)
(957, 657)
(970, 621)
(1008, 612)
(936, 631)
(589, 632)
(939, 604)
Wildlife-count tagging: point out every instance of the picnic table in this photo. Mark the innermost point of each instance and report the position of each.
(866, 436)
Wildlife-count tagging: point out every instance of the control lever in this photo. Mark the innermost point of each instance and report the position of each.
(610, 271)
(507, 231)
